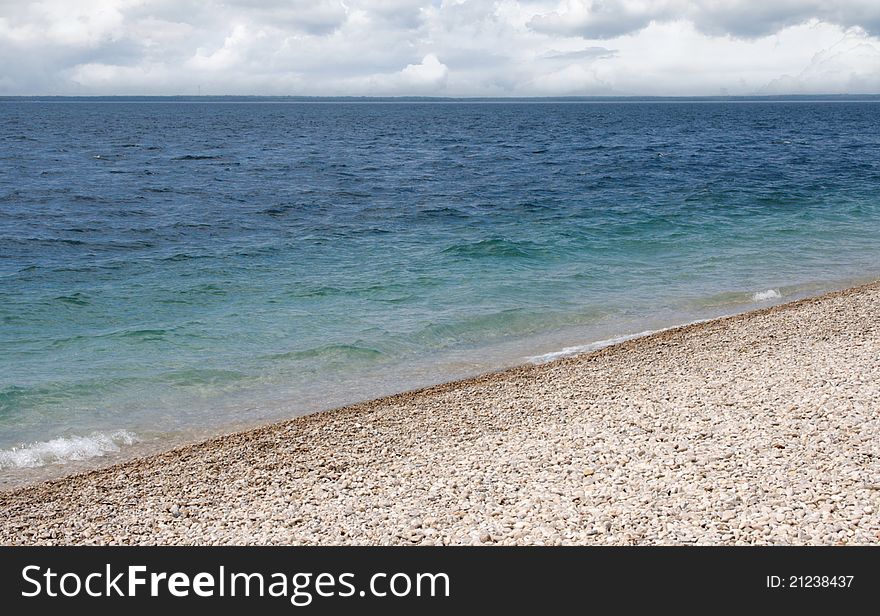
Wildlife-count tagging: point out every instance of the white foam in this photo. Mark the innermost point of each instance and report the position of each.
(65, 449)
(586, 348)
(601, 344)
(766, 296)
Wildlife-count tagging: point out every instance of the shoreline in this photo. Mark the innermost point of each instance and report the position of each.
(143, 450)
(34, 511)
(536, 353)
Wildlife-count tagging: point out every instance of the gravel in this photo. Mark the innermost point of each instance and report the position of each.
(762, 428)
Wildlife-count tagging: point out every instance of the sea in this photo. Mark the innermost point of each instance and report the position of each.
(176, 268)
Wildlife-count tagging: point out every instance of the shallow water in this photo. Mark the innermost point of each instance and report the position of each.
(172, 269)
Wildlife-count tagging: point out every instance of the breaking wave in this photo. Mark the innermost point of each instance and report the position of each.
(65, 449)
(766, 296)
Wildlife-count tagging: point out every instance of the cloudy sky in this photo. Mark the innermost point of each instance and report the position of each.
(439, 47)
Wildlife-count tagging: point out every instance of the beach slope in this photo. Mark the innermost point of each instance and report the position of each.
(754, 429)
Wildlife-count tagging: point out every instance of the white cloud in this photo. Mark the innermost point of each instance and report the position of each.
(429, 74)
(600, 19)
(850, 65)
(675, 58)
(426, 77)
(443, 47)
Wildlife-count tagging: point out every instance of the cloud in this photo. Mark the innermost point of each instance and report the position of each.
(309, 16)
(427, 77)
(580, 54)
(600, 19)
(571, 79)
(851, 65)
(751, 18)
(603, 19)
(449, 47)
(407, 14)
(429, 74)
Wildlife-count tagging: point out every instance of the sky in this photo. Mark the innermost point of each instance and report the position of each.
(439, 47)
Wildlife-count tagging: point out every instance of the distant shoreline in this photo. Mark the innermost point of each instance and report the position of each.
(715, 432)
(232, 98)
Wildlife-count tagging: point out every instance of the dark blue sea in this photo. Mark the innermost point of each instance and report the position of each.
(170, 269)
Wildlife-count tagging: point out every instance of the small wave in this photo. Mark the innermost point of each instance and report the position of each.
(76, 299)
(183, 256)
(331, 351)
(442, 213)
(492, 248)
(495, 325)
(315, 292)
(197, 157)
(766, 296)
(56, 240)
(586, 348)
(65, 449)
(601, 344)
(278, 210)
(199, 377)
(142, 334)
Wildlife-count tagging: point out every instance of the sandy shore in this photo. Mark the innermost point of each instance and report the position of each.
(759, 428)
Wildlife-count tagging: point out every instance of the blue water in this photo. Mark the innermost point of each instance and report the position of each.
(174, 268)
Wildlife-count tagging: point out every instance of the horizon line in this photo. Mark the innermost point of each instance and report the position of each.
(425, 98)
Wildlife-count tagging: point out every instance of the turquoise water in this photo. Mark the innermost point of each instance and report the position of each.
(173, 269)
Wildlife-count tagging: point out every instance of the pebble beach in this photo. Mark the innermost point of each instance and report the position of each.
(761, 428)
